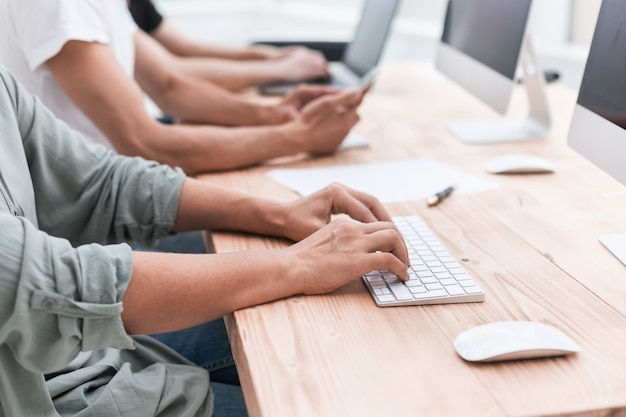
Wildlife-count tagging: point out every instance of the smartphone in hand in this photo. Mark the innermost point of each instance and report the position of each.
(368, 79)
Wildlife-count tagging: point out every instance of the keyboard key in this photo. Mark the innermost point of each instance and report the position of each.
(463, 277)
(473, 289)
(431, 294)
(374, 278)
(401, 292)
(454, 290)
(382, 291)
(386, 298)
(448, 281)
(433, 286)
(418, 289)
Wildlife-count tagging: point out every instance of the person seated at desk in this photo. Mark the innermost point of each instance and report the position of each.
(84, 59)
(80, 58)
(233, 67)
(75, 302)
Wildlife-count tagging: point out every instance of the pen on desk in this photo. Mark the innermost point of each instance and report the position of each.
(437, 197)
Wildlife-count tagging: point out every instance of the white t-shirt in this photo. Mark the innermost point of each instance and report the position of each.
(33, 31)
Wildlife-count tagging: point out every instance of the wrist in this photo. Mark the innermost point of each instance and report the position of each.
(275, 219)
(288, 139)
(275, 114)
(293, 270)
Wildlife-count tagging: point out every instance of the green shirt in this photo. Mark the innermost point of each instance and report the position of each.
(64, 205)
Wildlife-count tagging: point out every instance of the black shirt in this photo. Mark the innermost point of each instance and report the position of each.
(145, 15)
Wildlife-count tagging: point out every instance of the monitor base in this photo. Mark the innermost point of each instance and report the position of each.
(534, 125)
(497, 131)
(616, 244)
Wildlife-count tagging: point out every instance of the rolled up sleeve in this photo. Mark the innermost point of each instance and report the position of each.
(84, 192)
(57, 300)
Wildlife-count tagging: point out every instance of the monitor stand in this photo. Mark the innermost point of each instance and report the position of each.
(535, 126)
(616, 244)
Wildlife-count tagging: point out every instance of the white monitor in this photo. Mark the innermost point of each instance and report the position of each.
(482, 45)
(598, 127)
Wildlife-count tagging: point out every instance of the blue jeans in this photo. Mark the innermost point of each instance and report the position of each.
(228, 401)
(206, 345)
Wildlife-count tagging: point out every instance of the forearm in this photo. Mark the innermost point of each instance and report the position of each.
(193, 99)
(213, 50)
(178, 43)
(198, 149)
(173, 291)
(203, 205)
(232, 75)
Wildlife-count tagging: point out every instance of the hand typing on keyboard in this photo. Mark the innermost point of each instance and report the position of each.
(308, 214)
(330, 254)
(435, 276)
(343, 250)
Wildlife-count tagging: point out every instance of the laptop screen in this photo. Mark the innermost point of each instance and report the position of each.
(363, 53)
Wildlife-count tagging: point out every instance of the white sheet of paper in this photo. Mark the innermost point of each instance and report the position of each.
(390, 182)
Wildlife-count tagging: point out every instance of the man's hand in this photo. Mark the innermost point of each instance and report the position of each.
(261, 51)
(301, 64)
(325, 122)
(291, 105)
(306, 215)
(344, 250)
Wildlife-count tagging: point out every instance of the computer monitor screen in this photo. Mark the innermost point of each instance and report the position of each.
(364, 52)
(490, 31)
(598, 127)
(603, 88)
(481, 46)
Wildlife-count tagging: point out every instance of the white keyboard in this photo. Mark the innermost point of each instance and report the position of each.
(436, 277)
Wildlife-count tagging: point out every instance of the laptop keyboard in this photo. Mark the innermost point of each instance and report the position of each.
(342, 76)
(436, 277)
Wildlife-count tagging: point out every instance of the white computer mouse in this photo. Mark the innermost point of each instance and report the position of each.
(519, 164)
(511, 340)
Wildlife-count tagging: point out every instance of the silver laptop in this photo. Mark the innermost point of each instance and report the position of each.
(362, 54)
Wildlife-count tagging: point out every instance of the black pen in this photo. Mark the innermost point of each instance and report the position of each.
(437, 197)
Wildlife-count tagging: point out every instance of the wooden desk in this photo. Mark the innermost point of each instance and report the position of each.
(532, 245)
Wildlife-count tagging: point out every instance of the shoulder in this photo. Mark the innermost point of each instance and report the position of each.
(41, 28)
(63, 12)
(8, 84)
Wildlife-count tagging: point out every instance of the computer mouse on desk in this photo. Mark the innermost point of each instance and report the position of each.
(519, 164)
(512, 340)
